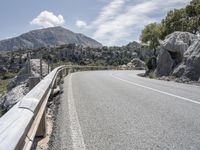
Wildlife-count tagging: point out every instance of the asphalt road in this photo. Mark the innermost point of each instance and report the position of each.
(118, 110)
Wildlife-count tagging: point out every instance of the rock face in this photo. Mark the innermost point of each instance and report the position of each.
(178, 41)
(192, 61)
(180, 56)
(46, 37)
(18, 86)
(165, 64)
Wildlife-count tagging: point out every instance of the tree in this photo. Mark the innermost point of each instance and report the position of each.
(175, 20)
(151, 35)
(193, 12)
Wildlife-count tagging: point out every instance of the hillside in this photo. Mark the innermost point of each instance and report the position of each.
(48, 36)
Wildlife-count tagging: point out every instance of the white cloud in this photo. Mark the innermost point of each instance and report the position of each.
(48, 19)
(121, 20)
(81, 24)
(109, 11)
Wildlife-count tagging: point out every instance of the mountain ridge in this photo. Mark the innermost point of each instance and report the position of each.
(46, 37)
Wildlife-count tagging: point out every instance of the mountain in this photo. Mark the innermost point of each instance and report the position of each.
(134, 45)
(48, 36)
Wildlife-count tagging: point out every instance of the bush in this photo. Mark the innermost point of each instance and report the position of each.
(152, 75)
(8, 75)
(151, 64)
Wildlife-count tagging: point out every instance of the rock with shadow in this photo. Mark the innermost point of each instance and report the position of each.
(179, 56)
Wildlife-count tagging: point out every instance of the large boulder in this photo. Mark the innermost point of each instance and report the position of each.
(164, 64)
(192, 61)
(190, 68)
(177, 43)
(180, 56)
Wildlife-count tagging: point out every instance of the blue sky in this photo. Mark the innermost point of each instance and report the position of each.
(111, 22)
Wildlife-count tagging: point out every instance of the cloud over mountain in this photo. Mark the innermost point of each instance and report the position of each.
(48, 19)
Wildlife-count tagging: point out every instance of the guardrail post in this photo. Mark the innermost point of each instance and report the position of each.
(41, 132)
(33, 81)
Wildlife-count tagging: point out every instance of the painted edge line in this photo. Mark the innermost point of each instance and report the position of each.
(156, 90)
(76, 133)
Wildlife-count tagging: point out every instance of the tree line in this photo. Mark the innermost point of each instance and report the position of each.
(186, 19)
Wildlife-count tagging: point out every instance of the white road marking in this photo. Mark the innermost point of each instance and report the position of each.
(156, 90)
(76, 133)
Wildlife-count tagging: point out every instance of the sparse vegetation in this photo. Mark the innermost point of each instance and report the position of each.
(8, 75)
(152, 75)
(3, 87)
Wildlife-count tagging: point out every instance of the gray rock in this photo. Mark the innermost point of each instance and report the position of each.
(179, 71)
(129, 66)
(134, 55)
(18, 86)
(165, 64)
(192, 61)
(177, 43)
(137, 63)
(14, 95)
(180, 57)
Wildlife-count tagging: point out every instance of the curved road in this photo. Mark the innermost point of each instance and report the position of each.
(118, 110)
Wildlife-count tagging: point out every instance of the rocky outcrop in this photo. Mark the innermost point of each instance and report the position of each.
(165, 64)
(177, 43)
(179, 71)
(192, 61)
(135, 63)
(180, 56)
(18, 86)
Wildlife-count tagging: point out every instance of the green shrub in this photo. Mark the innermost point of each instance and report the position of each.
(151, 75)
(151, 63)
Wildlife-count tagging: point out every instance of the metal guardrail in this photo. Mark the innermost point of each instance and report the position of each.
(20, 124)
